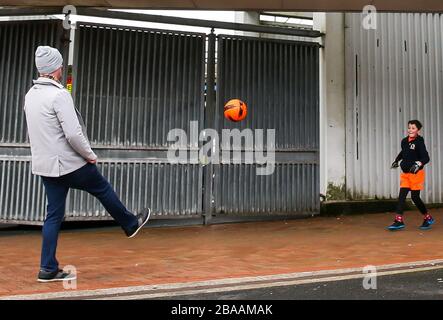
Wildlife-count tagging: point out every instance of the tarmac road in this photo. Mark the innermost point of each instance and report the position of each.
(426, 285)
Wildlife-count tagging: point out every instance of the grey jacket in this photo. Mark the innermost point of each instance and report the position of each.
(57, 134)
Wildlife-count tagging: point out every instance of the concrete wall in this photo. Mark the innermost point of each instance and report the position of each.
(332, 105)
(248, 17)
(253, 17)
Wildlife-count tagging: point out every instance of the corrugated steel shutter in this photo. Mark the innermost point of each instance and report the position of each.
(278, 80)
(171, 190)
(21, 194)
(18, 42)
(132, 86)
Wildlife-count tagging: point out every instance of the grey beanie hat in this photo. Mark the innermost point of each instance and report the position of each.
(47, 59)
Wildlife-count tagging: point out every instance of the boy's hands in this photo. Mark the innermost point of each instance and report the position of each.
(414, 169)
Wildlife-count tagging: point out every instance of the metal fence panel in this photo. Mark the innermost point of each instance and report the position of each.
(21, 194)
(134, 85)
(393, 74)
(278, 80)
(18, 42)
(137, 183)
(170, 190)
(291, 189)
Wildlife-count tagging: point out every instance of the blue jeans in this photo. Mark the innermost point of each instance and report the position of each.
(89, 179)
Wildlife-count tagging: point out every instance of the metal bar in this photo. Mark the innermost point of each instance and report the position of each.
(281, 15)
(114, 26)
(197, 22)
(208, 205)
(31, 11)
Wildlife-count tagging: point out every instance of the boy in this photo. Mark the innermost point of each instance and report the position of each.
(414, 157)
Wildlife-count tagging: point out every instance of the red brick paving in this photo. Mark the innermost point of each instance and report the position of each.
(106, 258)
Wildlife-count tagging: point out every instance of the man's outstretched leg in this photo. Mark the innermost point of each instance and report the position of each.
(89, 179)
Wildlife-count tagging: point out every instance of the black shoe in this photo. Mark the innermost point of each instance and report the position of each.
(142, 218)
(397, 225)
(51, 276)
(427, 223)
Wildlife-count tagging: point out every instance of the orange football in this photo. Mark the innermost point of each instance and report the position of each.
(235, 110)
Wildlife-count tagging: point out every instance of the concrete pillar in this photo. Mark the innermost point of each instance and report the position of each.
(332, 105)
(247, 17)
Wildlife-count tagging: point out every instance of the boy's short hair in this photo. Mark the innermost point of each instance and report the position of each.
(417, 123)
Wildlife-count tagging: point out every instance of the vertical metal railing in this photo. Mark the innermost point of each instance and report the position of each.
(21, 194)
(210, 114)
(279, 81)
(133, 85)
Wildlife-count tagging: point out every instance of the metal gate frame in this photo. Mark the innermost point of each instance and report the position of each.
(208, 173)
(285, 157)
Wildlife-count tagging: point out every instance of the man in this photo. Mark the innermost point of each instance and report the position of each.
(62, 156)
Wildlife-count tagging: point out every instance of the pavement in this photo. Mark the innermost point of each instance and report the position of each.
(160, 258)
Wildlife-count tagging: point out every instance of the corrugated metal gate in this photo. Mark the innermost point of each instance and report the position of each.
(279, 81)
(21, 193)
(133, 85)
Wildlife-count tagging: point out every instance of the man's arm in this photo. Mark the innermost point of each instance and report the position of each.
(64, 108)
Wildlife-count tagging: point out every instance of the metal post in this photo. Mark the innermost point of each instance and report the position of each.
(64, 40)
(208, 180)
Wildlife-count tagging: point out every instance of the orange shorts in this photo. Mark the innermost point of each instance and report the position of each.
(412, 181)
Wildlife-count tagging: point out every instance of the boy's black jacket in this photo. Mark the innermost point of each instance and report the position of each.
(411, 152)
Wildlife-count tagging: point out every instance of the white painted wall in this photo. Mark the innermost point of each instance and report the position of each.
(247, 17)
(332, 100)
